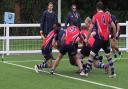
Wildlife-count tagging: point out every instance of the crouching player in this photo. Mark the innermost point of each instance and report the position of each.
(47, 45)
(70, 45)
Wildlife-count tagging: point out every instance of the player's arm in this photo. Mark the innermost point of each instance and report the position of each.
(117, 26)
(67, 20)
(54, 41)
(83, 39)
(114, 29)
(62, 39)
(90, 31)
(41, 34)
(91, 27)
(118, 30)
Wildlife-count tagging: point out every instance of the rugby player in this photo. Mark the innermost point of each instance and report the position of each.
(114, 43)
(86, 48)
(100, 21)
(47, 45)
(70, 45)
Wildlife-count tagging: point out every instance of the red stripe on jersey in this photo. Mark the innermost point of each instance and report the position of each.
(72, 33)
(47, 40)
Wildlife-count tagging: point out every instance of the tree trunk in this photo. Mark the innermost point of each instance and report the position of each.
(17, 12)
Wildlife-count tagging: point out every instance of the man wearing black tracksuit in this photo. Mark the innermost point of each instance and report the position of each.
(48, 18)
(74, 14)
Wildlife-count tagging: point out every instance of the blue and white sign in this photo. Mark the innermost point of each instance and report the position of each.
(9, 17)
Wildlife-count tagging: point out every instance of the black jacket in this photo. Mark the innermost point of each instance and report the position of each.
(71, 16)
(47, 21)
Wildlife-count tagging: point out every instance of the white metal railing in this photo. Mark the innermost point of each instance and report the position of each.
(7, 37)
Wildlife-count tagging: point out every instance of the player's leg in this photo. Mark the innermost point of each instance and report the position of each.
(98, 63)
(56, 63)
(116, 47)
(72, 60)
(113, 46)
(62, 52)
(72, 50)
(106, 48)
(94, 51)
(85, 52)
(48, 60)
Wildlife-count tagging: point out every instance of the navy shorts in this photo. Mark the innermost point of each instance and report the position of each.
(46, 53)
(98, 44)
(70, 48)
(85, 51)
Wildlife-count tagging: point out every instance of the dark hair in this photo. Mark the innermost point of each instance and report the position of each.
(56, 27)
(58, 24)
(73, 5)
(100, 5)
(74, 22)
(50, 3)
(107, 9)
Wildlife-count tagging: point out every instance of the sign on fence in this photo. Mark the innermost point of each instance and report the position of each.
(9, 18)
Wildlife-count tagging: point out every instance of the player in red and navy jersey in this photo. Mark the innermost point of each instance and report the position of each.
(100, 21)
(70, 46)
(47, 45)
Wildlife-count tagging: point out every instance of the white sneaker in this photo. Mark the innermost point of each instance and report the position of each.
(112, 76)
(36, 69)
(83, 74)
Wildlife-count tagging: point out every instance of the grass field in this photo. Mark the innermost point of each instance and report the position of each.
(18, 73)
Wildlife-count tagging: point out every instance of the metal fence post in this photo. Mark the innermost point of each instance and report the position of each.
(59, 11)
(7, 40)
(127, 35)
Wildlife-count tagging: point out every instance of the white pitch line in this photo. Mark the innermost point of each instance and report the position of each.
(26, 61)
(95, 83)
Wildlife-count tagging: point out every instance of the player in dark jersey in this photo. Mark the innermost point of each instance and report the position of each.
(114, 43)
(100, 21)
(47, 45)
(70, 46)
(59, 41)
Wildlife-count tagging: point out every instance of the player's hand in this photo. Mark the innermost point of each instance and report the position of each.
(41, 32)
(42, 36)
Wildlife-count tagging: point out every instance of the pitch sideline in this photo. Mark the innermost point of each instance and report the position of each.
(83, 80)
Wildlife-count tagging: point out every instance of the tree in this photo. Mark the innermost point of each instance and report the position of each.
(18, 11)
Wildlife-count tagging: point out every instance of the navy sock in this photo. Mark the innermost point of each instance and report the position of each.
(44, 65)
(100, 65)
(111, 66)
(88, 66)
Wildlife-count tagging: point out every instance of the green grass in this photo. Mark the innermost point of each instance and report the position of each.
(13, 77)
